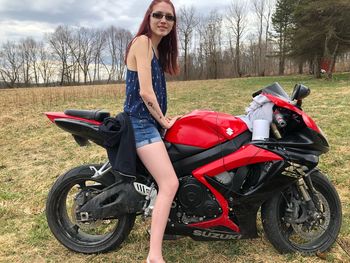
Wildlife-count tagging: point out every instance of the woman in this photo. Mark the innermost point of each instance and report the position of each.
(152, 52)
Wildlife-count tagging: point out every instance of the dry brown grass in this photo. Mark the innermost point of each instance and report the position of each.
(33, 153)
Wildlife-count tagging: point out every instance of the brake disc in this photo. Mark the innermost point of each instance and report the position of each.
(309, 231)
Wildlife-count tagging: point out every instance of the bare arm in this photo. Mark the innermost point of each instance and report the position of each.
(142, 49)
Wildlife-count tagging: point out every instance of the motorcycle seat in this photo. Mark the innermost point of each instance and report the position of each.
(96, 115)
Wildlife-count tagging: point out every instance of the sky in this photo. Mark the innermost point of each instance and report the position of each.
(33, 18)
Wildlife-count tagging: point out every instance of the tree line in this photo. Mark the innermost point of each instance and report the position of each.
(288, 36)
(68, 56)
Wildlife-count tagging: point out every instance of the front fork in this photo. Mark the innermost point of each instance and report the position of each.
(310, 196)
(306, 188)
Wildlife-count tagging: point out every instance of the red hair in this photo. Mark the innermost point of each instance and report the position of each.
(167, 48)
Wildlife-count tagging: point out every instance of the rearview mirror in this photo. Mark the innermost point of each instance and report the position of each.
(300, 92)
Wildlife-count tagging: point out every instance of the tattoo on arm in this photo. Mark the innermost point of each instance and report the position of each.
(150, 104)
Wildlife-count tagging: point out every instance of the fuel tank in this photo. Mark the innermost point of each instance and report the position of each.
(205, 129)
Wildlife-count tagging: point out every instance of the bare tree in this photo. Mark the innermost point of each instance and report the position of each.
(123, 39)
(33, 53)
(23, 48)
(111, 33)
(11, 64)
(199, 63)
(259, 9)
(46, 64)
(252, 55)
(267, 18)
(210, 31)
(99, 43)
(60, 42)
(76, 46)
(82, 48)
(188, 20)
(117, 40)
(236, 16)
(29, 50)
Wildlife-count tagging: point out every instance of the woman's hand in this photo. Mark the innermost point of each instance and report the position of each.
(171, 121)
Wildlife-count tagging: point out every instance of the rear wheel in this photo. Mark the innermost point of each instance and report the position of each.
(70, 192)
(290, 228)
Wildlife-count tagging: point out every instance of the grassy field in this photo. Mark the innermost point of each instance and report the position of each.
(33, 153)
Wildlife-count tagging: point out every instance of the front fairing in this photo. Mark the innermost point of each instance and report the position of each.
(311, 138)
(284, 103)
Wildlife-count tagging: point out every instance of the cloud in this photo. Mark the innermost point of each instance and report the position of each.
(14, 30)
(63, 11)
(23, 18)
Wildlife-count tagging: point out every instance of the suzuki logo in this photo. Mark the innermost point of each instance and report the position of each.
(229, 131)
(215, 235)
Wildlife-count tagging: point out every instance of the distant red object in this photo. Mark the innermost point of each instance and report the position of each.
(326, 64)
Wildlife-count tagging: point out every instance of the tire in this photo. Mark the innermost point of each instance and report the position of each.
(94, 237)
(288, 238)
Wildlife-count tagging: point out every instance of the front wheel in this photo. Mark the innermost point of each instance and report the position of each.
(303, 233)
(70, 192)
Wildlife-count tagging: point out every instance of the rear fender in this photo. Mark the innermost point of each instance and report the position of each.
(82, 131)
(53, 116)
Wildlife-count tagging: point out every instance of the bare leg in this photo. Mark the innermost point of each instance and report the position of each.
(155, 157)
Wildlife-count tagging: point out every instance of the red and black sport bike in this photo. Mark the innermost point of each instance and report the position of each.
(225, 178)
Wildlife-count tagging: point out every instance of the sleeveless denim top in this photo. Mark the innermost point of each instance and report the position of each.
(134, 105)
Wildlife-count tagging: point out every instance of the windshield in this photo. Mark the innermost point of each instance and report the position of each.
(274, 89)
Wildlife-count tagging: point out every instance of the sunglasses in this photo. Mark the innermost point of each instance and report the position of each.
(159, 16)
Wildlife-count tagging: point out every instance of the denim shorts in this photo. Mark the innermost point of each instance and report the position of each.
(145, 132)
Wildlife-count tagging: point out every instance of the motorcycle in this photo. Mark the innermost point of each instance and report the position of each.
(225, 178)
